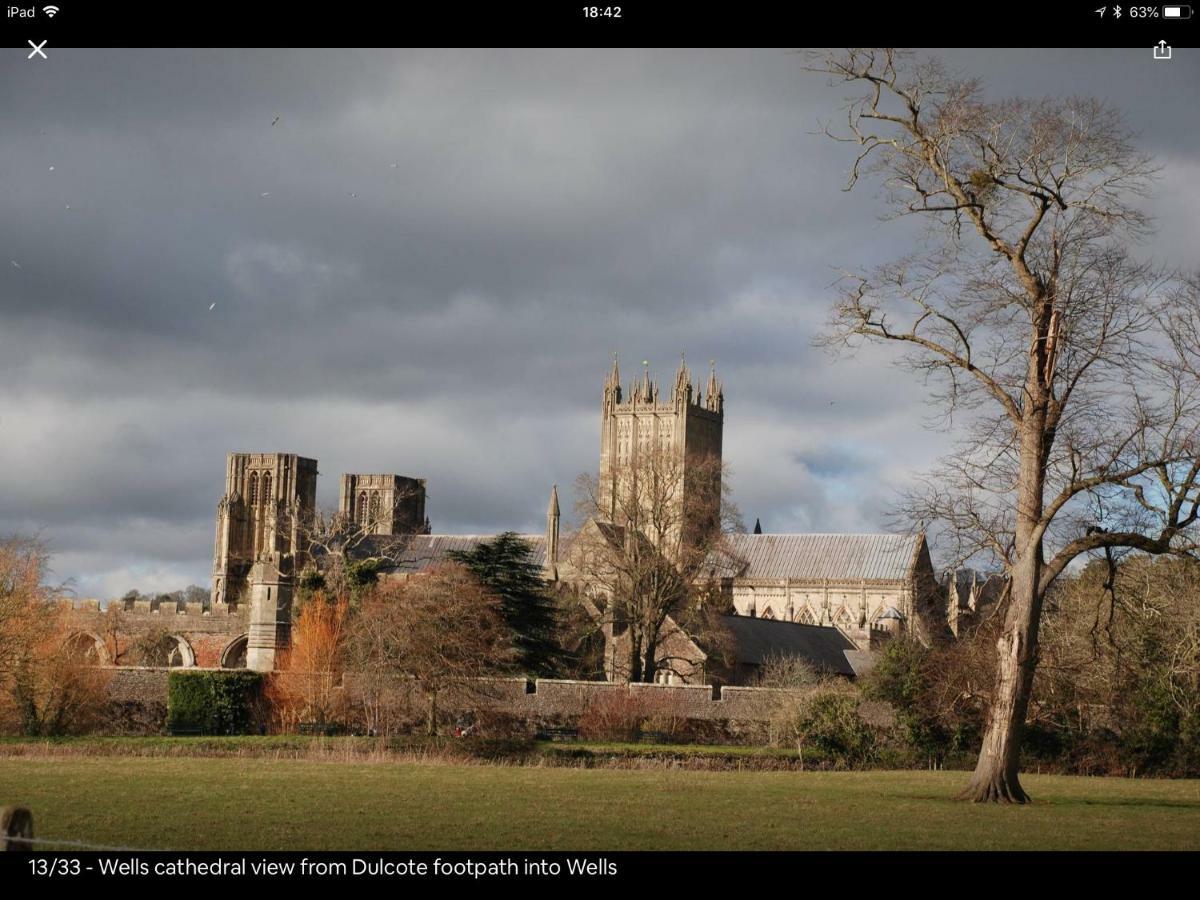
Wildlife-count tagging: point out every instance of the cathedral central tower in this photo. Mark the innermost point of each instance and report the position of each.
(660, 456)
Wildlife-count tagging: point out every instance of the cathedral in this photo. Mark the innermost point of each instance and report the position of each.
(832, 597)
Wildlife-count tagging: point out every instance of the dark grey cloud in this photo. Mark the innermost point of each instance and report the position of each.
(450, 246)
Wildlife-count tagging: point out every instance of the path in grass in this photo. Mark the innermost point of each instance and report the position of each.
(261, 804)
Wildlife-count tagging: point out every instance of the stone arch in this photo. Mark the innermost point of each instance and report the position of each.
(234, 654)
(805, 616)
(182, 656)
(768, 613)
(86, 647)
(843, 618)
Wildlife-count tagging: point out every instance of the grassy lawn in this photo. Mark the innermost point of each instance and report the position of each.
(260, 804)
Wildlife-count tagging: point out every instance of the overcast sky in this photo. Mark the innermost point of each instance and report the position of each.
(425, 266)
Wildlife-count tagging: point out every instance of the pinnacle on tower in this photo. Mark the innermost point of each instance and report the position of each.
(612, 383)
(716, 397)
(551, 564)
(683, 381)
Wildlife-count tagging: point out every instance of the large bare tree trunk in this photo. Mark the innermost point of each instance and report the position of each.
(996, 773)
(995, 778)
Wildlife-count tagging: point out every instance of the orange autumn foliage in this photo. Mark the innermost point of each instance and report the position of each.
(307, 685)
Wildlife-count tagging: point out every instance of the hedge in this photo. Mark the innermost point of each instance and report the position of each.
(216, 702)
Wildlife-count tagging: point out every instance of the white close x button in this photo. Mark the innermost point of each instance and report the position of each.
(37, 50)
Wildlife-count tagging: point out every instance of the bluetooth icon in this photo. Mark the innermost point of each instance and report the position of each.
(1116, 12)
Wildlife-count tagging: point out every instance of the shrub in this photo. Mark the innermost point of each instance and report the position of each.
(217, 702)
(613, 716)
(829, 723)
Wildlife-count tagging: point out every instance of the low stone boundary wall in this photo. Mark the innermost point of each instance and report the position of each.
(140, 695)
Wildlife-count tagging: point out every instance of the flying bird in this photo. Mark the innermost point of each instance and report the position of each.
(16, 264)
(274, 122)
(212, 306)
(265, 194)
(52, 168)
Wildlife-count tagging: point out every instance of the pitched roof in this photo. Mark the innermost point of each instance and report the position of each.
(420, 552)
(756, 640)
(838, 557)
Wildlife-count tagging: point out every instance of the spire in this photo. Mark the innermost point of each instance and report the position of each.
(646, 389)
(551, 563)
(612, 384)
(757, 527)
(716, 396)
(683, 382)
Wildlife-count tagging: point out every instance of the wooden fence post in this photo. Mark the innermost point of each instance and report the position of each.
(16, 822)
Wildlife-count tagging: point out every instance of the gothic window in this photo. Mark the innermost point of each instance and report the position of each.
(375, 507)
(266, 487)
(768, 613)
(805, 617)
(362, 508)
(253, 488)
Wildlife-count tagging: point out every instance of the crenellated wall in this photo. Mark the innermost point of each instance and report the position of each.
(206, 637)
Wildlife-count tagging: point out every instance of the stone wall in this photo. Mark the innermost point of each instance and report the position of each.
(724, 709)
(139, 699)
(204, 634)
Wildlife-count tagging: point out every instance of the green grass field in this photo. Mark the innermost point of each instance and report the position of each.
(261, 804)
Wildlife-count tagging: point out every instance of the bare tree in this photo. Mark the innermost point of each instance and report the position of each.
(782, 670)
(1073, 364)
(1113, 633)
(644, 555)
(443, 631)
(343, 554)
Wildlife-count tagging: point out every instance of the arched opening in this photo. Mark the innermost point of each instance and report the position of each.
(158, 648)
(181, 655)
(86, 648)
(234, 654)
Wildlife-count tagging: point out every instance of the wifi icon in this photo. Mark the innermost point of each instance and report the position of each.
(50, 11)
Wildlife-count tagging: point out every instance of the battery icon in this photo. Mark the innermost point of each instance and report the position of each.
(1177, 12)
